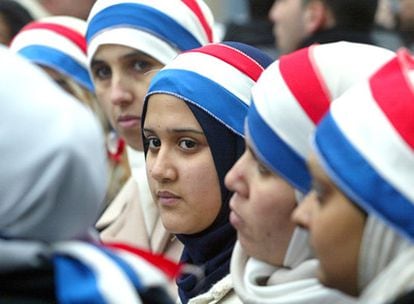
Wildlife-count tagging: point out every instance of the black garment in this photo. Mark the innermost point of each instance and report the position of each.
(257, 33)
(31, 286)
(337, 34)
(37, 286)
(407, 298)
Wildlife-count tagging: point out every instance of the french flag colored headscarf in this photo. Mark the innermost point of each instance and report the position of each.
(217, 90)
(366, 142)
(294, 93)
(57, 42)
(366, 146)
(160, 28)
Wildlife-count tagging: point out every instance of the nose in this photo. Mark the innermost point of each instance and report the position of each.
(235, 179)
(161, 166)
(120, 93)
(302, 215)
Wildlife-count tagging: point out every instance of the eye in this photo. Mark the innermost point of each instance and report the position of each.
(187, 144)
(319, 190)
(262, 169)
(141, 66)
(153, 143)
(101, 72)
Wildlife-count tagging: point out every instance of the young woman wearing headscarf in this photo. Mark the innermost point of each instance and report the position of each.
(272, 261)
(192, 123)
(360, 210)
(57, 44)
(128, 41)
(52, 187)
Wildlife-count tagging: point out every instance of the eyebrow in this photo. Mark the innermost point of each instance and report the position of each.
(177, 130)
(131, 54)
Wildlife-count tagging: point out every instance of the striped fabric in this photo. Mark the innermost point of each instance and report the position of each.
(56, 42)
(225, 94)
(366, 143)
(159, 28)
(292, 96)
(117, 273)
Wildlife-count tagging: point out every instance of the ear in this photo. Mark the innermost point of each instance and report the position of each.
(317, 16)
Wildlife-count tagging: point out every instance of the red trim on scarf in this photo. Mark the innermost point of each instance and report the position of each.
(193, 5)
(394, 94)
(235, 58)
(74, 36)
(170, 268)
(305, 83)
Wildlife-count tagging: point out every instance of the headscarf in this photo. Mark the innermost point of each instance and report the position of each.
(217, 90)
(370, 129)
(288, 101)
(52, 185)
(58, 43)
(160, 28)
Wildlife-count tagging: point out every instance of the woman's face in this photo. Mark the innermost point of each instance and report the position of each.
(180, 168)
(336, 227)
(121, 76)
(262, 205)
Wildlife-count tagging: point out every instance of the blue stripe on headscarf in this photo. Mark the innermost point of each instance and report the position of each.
(203, 92)
(275, 153)
(355, 176)
(75, 282)
(146, 19)
(59, 61)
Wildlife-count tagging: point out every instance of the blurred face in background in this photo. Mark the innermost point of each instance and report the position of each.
(121, 76)
(405, 15)
(75, 8)
(262, 205)
(288, 19)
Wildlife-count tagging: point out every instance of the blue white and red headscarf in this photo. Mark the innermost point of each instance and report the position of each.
(215, 82)
(292, 96)
(366, 146)
(160, 28)
(58, 43)
(366, 143)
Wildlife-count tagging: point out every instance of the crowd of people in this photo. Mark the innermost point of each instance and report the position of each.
(165, 163)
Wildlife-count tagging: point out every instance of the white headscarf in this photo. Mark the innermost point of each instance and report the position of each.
(386, 267)
(53, 163)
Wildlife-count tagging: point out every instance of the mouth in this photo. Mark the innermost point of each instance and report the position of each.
(129, 121)
(167, 198)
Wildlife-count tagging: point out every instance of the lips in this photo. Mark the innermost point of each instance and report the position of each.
(167, 198)
(129, 121)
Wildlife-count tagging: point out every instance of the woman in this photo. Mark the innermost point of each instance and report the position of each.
(52, 188)
(192, 124)
(360, 210)
(128, 41)
(57, 44)
(272, 261)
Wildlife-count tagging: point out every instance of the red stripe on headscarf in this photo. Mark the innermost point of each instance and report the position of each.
(193, 5)
(305, 83)
(69, 33)
(170, 268)
(234, 57)
(393, 92)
